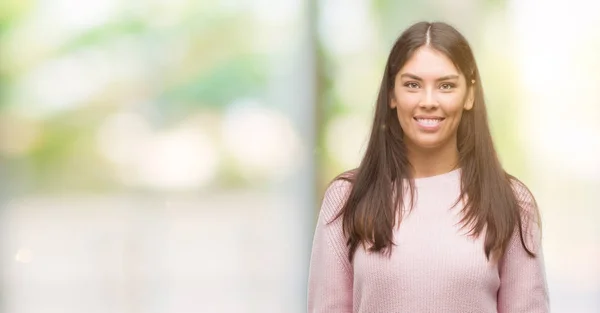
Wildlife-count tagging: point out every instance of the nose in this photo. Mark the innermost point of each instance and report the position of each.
(428, 100)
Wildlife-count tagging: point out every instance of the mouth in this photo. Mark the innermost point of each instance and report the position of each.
(429, 122)
(432, 121)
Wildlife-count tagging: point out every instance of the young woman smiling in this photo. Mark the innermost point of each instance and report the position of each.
(429, 221)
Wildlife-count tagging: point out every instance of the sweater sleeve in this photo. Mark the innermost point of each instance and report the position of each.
(523, 286)
(330, 274)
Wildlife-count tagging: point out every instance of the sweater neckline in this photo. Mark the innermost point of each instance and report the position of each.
(451, 176)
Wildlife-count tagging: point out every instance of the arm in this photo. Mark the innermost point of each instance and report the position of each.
(330, 274)
(523, 287)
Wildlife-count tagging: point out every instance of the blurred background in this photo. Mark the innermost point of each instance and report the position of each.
(170, 156)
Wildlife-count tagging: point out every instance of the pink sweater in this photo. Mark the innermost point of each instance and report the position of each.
(433, 268)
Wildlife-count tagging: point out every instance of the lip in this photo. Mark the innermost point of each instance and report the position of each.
(428, 126)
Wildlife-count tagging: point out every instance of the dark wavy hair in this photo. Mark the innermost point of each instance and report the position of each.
(369, 214)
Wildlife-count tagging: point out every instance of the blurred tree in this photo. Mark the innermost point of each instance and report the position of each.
(204, 59)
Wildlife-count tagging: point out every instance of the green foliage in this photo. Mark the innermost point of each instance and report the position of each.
(105, 33)
(11, 11)
(242, 76)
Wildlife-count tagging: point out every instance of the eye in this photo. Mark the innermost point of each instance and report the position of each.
(447, 86)
(411, 85)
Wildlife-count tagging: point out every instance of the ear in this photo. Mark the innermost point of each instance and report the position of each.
(470, 99)
(393, 104)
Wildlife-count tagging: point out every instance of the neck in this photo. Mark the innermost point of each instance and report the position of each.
(428, 162)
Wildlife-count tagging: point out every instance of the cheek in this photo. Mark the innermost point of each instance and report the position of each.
(452, 105)
(407, 102)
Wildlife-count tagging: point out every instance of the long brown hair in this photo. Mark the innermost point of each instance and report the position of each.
(378, 184)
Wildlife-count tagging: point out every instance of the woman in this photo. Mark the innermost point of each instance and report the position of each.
(429, 221)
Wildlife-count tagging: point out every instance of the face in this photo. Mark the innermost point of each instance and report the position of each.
(430, 95)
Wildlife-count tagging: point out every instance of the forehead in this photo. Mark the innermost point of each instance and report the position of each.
(427, 62)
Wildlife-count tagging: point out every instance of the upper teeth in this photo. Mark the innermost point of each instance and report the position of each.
(429, 121)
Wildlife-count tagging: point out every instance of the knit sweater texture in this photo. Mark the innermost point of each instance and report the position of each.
(434, 266)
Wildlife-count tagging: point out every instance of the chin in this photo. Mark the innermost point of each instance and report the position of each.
(428, 143)
(428, 146)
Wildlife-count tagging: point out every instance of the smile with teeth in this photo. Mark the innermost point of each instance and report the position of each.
(429, 121)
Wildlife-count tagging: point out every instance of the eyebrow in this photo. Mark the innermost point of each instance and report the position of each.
(413, 76)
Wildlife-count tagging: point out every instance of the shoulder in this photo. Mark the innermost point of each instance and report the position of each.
(524, 196)
(335, 197)
(529, 212)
